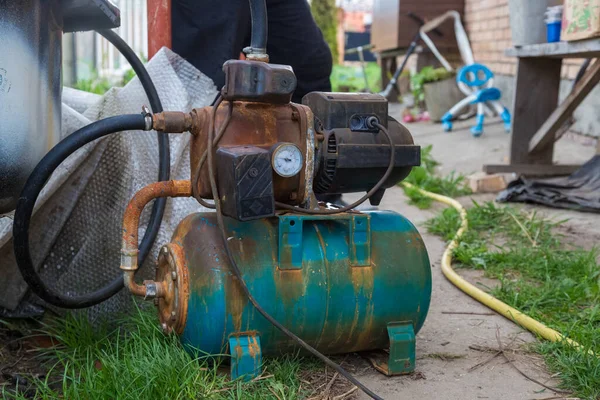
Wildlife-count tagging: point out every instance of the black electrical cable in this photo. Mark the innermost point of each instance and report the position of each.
(31, 191)
(196, 177)
(59, 153)
(240, 279)
(357, 203)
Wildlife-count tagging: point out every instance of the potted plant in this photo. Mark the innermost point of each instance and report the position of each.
(436, 88)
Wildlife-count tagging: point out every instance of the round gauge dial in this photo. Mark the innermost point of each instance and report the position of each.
(287, 160)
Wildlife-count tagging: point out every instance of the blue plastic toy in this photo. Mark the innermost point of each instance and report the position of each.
(476, 81)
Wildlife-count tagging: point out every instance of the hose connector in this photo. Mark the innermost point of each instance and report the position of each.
(147, 118)
(256, 54)
(172, 122)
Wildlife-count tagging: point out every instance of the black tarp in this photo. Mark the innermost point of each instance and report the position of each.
(579, 191)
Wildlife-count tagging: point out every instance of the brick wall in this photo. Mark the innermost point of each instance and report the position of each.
(488, 27)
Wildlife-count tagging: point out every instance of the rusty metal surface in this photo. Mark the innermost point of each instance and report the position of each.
(131, 221)
(172, 275)
(277, 82)
(172, 121)
(159, 25)
(30, 90)
(254, 124)
(327, 302)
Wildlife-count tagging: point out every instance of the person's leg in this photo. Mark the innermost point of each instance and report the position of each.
(208, 33)
(294, 39)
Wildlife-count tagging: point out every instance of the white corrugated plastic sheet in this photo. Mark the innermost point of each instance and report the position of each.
(76, 229)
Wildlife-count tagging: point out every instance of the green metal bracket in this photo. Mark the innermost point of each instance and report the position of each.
(402, 348)
(246, 357)
(290, 238)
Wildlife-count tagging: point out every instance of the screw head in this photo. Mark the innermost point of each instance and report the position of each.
(253, 172)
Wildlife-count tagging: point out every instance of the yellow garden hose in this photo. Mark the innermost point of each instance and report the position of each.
(500, 307)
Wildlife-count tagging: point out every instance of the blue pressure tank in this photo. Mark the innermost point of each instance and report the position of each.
(343, 283)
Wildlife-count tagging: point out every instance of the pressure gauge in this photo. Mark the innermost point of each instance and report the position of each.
(287, 160)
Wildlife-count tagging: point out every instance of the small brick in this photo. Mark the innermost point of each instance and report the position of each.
(480, 182)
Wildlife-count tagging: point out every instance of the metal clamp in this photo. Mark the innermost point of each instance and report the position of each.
(291, 246)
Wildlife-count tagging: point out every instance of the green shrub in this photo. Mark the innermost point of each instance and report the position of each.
(427, 75)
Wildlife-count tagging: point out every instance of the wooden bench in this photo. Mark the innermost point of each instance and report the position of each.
(537, 116)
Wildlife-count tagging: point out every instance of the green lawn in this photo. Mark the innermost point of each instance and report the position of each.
(541, 275)
(137, 361)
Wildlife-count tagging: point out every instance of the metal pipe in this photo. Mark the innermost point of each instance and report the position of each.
(30, 90)
(159, 26)
(131, 221)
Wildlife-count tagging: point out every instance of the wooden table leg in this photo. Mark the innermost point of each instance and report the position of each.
(388, 67)
(536, 97)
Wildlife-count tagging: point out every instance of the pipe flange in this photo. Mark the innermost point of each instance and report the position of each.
(172, 273)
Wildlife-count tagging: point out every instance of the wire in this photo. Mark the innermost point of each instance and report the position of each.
(59, 153)
(375, 188)
(216, 103)
(238, 274)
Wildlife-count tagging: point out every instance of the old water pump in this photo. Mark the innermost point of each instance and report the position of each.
(339, 279)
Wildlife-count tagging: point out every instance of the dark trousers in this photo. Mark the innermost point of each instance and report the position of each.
(209, 32)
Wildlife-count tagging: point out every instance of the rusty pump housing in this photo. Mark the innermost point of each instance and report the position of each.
(340, 279)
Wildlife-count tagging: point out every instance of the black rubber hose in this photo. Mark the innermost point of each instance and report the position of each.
(61, 151)
(258, 14)
(33, 187)
(164, 154)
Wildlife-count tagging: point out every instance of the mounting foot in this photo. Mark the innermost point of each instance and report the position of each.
(402, 348)
(246, 357)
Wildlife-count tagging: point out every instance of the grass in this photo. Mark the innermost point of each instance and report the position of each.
(351, 78)
(424, 177)
(552, 281)
(137, 361)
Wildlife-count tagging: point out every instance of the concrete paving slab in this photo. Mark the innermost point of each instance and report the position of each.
(458, 334)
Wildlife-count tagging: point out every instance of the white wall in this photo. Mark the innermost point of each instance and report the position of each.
(95, 55)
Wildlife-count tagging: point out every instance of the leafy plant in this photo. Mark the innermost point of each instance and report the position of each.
(424, 177)
(325, 14)
(351, 78)
(94, 85)
(424, 76)
(128, 76)
(101, 85)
